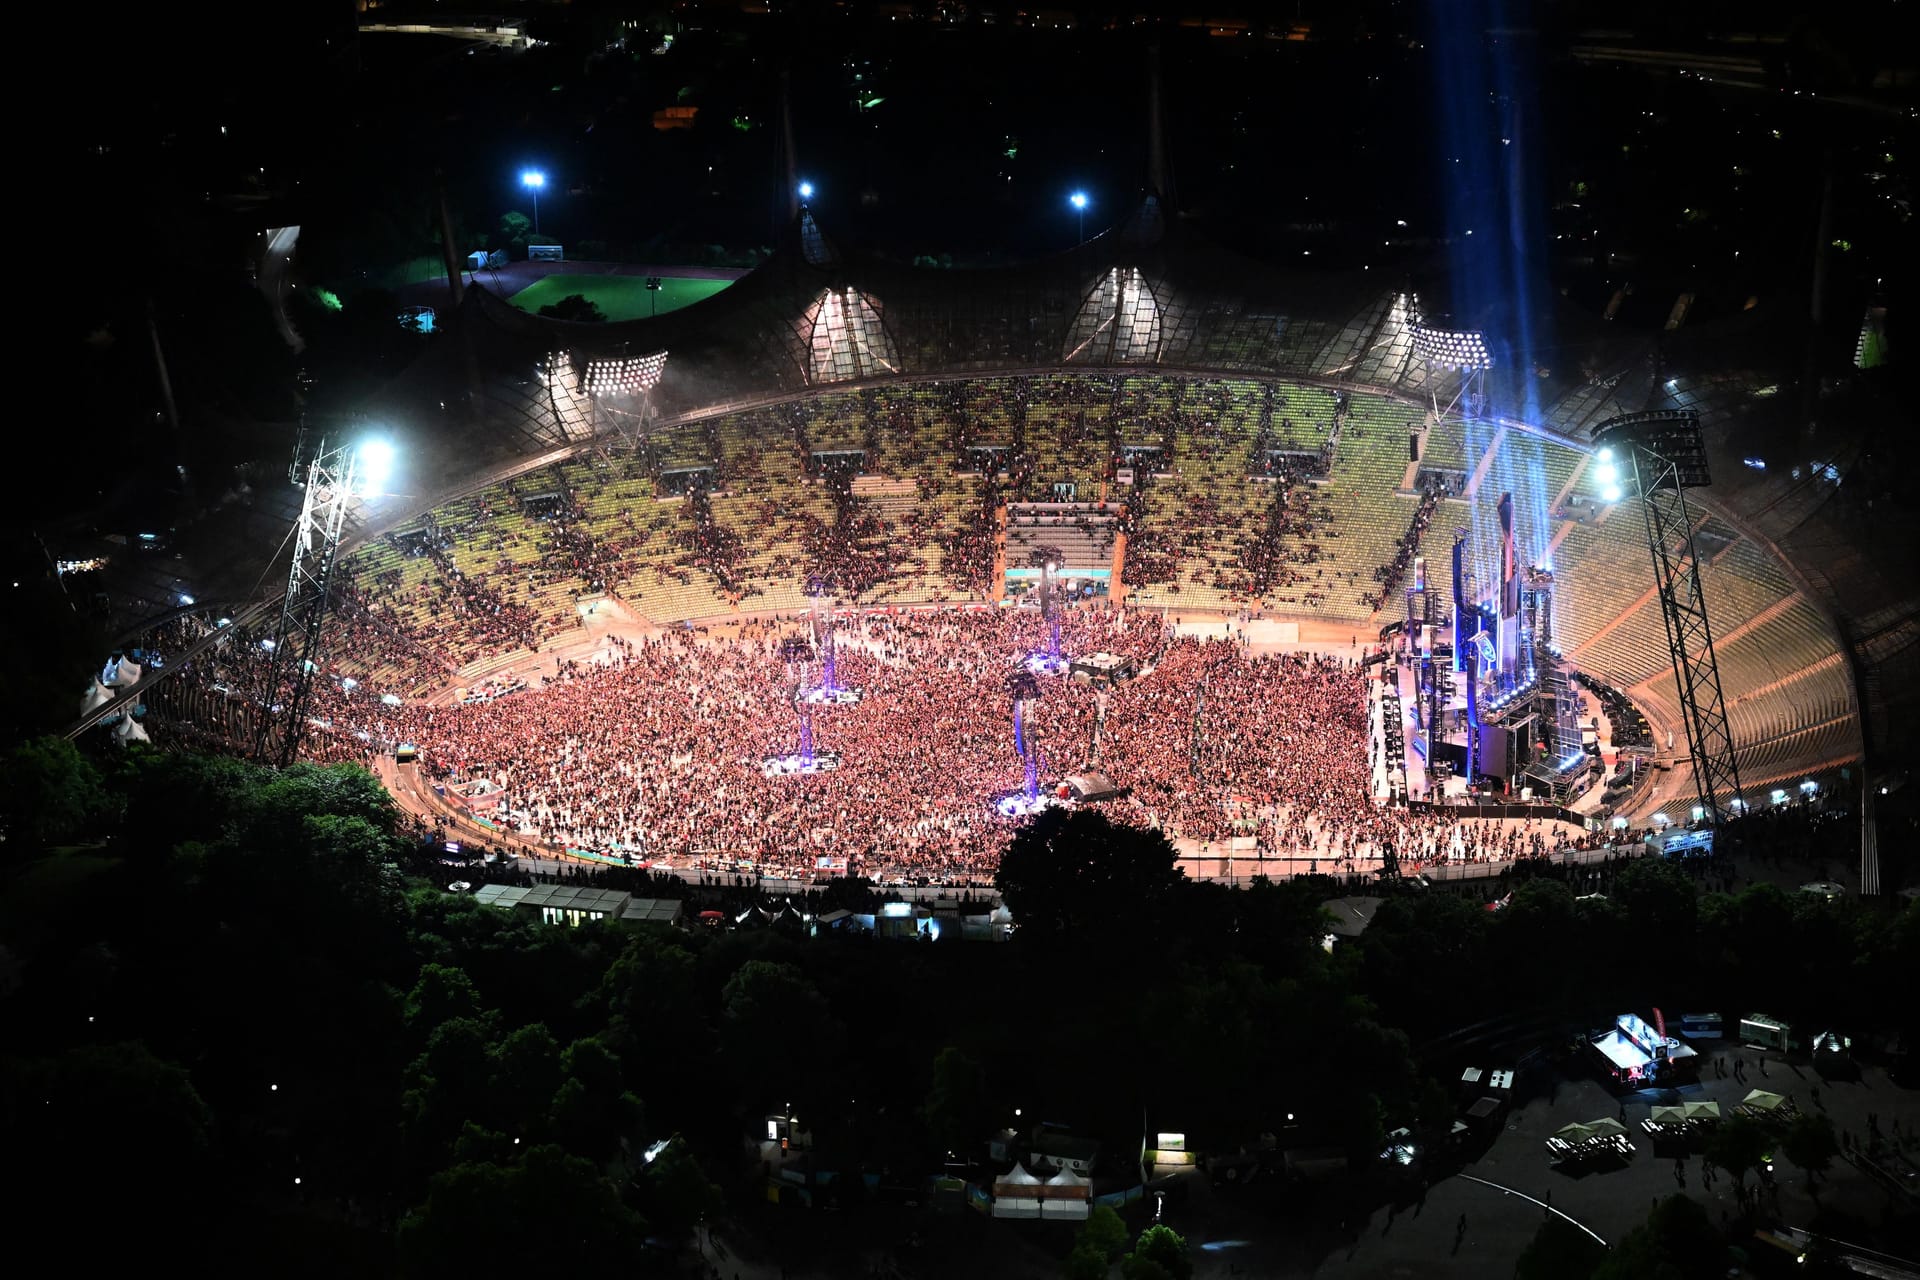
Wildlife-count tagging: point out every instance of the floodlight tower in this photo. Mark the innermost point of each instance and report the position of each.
(1079, 202)
(1658, 455)
(334, 478)
(1461, 351)
(534, 181)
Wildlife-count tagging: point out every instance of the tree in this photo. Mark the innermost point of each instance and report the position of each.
(575, 307)
(1559, 1251)
(1079, 874)
(1676, 1242)
(1737, 1145)
(593, 1112)
(957, 1110)
(515, 227)
(552, 1211)
(778, 1030)
(676, 1192)
(442, 993)
(1085, 1263)
(1658, 897)
(1159, 1246)
(49, 793)
(526, 1076)
(1809, 1143)
(1103, 1232)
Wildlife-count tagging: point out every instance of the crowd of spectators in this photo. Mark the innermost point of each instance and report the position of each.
(655, 749)
(1391, 574)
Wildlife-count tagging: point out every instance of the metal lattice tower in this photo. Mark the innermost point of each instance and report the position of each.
(330, 484)
(1660, 457)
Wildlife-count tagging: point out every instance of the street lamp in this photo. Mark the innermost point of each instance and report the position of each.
(533, 180)
(1079, 202)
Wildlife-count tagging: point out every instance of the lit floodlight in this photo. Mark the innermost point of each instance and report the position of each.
(1606, 473)
(185, 600)
(533, 179)
(1451, 348)
(623, 375)
(806, 190)
(1612, 493)
(375, 467)
(1606, 455)
(1078, 200)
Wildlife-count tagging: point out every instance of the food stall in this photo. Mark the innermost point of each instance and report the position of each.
(1635, 1053)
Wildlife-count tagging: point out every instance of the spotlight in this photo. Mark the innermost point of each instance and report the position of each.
(375, 466)
(1078, 200)
(806, 190)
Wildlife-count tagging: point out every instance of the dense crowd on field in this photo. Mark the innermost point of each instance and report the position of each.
(653, 750)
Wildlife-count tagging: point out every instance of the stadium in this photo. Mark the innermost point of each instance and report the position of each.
(617, 554)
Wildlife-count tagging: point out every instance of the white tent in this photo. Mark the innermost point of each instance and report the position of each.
(1016, 1182)
(1068, 1185)
(97, 695)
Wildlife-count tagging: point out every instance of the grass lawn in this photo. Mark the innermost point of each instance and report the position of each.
(618, 297)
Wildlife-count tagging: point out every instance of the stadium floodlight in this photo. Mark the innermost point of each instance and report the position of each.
(373, 467)
(1451, 348)
(1079, 202)
(806, 190)
(534, 181)
(1613, 493)
(1078, 199)
(623, 375)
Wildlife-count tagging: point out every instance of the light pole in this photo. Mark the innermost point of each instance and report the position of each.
(653, 294)
(1079, 202)
(533, 180)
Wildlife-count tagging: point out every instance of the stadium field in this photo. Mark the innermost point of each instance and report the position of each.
(618, 297)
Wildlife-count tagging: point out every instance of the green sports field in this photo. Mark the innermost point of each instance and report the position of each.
(618, 297)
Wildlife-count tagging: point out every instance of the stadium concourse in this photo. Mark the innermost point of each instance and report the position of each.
(1182, 433)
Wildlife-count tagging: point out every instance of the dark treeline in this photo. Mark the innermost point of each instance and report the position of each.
(240, 1006)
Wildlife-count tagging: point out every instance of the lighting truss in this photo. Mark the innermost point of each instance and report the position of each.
(1670, 435)
(332, 477)
(1659, 456)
